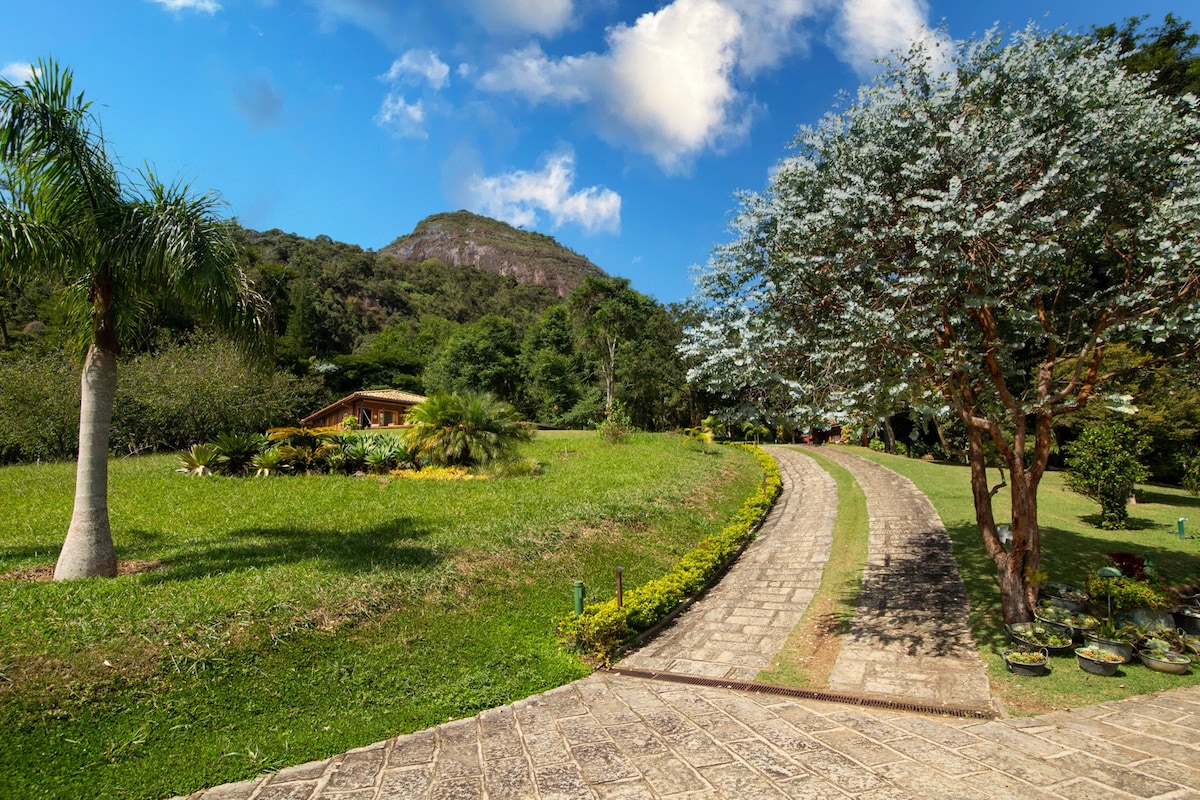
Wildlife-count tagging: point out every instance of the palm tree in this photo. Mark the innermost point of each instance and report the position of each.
(464, 428)
(65, 212)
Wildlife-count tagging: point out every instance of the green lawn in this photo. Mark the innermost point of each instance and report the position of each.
(287, 619)
(1072, 549)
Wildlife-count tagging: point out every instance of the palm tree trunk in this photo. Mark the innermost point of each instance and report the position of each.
(88, 549)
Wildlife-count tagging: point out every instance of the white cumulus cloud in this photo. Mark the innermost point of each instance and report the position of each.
(202, 6)
(401, 117)
(542, 17)
(17, 72)
(536, 76)
(420, 64)
(668, 85)
(520, 197)
(872, 29)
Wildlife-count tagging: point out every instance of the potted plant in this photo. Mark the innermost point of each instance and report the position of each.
(1187, 619)
(1097, 661)
(1065, 596)
(1025, 662)
(1114, 638)
(1169, 639)
(1034, 635)
(1071, 623)
(1165, 660)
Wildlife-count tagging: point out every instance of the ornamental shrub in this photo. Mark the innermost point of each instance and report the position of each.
(1129, 593)
(1103, 464)
(603, 628)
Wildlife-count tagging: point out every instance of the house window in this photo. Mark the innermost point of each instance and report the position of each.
(389, 417)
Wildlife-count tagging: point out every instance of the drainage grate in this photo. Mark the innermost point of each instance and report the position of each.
(806, 694)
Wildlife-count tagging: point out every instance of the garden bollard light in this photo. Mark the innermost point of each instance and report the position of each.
(578, 597)
(620, 589)
(1109, 572)
(1180, 523)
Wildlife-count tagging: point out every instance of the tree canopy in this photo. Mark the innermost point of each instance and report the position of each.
(967, 242)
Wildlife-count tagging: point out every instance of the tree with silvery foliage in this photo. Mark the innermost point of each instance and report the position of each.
(966, 238)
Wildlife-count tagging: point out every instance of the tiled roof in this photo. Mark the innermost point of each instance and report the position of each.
(395, 395)
(390, 395)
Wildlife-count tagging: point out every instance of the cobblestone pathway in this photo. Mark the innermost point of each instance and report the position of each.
(910, 636)
(737, 628)
(608, 737)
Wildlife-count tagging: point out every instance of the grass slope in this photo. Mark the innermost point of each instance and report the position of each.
(289, 619)
(1072, 549)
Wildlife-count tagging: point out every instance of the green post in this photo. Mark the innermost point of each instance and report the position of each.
(578, 597)
(1181, 521)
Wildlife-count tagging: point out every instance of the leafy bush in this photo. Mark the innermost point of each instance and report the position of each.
(166, 400)
(1191, 473)
(1103, 464)
(617, 425)
(603, 628)
(385, 453)
(199, 461)
(1129, 593)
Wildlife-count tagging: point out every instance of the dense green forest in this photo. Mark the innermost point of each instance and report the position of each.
(344, 319)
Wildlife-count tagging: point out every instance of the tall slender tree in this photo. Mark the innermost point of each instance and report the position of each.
(118, 248)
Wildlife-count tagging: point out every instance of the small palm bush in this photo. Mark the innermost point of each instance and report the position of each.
(236, 451)
(200, 460)
(464, 429)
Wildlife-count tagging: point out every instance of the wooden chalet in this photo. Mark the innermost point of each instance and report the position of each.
(373, 408)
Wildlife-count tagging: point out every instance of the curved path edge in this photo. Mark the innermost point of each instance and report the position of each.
(740, 624)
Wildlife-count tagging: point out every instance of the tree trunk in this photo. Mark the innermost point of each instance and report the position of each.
(889, 436)
(88, 549)
(610, 375)
(1012, 566)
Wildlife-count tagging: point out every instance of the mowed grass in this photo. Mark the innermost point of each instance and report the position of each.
(288, 619)
(1072, 549)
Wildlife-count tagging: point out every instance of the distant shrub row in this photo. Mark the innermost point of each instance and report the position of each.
(603, 628)
(167, 399)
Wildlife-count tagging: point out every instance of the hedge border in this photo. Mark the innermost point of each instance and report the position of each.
(603, 630)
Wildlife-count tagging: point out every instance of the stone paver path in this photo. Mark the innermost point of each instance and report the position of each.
(910, 636)
(610, 737)
(740, 624)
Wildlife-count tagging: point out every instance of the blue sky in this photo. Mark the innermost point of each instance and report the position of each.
(623, 129)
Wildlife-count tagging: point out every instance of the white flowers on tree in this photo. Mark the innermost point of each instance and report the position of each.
(970, 240)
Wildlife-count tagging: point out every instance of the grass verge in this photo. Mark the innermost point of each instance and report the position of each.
(284, 620)
(1072, 549)
(813, 646)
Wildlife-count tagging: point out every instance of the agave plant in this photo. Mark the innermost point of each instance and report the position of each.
(355, 450)
(384, 454)
(198, 461)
